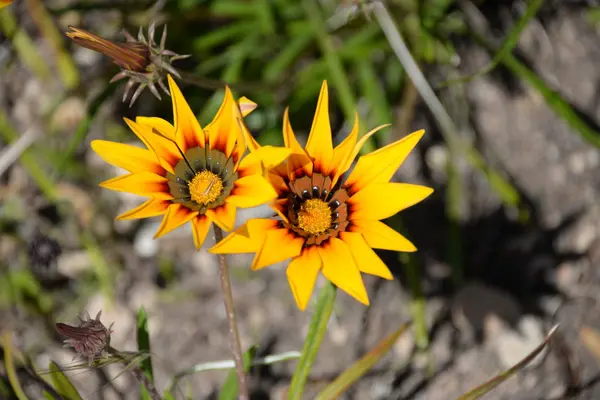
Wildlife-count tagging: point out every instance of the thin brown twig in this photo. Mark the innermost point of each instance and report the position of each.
(234, 336)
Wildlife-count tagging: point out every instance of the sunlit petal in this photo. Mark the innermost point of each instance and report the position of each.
(382, 200)
(359, 145)
(188, 132)
(150, 208)
(163, 127)
(339, 267)
(176, 216)
(298, 159)
(248, 238)
(320, 144)
(223, 216)
(246, 105)
(130, 158)
(365, 258)
(251, 191)
(141, 183)
(279, 245)
(380, 236)
(380, 166)
(166, 151)
(343, 151)
(224, 129)
(200, 227)
(264, 157)
(302, 274)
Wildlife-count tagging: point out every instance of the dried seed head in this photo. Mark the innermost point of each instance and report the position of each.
(144, 62)
(90, 339)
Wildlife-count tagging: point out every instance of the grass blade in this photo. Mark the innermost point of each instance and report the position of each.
(229, 364)
(64, 62)
(29, 160)
(498, 379)
(316, 331)
(507, 46)
(9, 365)
(62, 384)
(282, 61)
(24, 46)
(143, 341)
(334, 63)
(84, 126)
(362, 366)
(554, 100)
(229, 390)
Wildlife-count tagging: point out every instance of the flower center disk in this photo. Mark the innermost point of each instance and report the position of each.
(314, 216)
(205, 187)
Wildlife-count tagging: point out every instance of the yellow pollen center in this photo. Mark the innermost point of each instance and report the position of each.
(205, 187)
(314, 216)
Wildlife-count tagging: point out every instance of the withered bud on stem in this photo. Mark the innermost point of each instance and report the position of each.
(141, 60)
(90, 339)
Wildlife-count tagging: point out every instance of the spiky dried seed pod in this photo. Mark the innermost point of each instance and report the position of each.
(144, 62)
(90, 339)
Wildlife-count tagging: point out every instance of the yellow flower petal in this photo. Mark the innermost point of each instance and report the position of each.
(382, 200)
(298, 159)
(380, 236)
(251, 191)
(130, 158)
(165, 150)
(223, 216)
(248, 238)
(176, 216)
(200, 228)
(343, 151)
(380, 166)
(246, 105)
(141, 183)
(264, 157)
(279, 245)
(163, 127)
(277, 183)
(359, 145)
(280, 208)
(289, 137)
(150, 208)
(320, 145)
(225, 128)
(365, 258)
(340, 269)
(188, 132)
(302, 274)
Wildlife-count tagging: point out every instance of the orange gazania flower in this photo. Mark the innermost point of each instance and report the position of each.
(192, 174)
(327, 223)
(4, 3)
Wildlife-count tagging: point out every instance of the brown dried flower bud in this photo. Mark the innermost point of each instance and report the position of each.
(90, 339)
(141, 60)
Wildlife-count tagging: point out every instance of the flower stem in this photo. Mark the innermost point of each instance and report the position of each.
(234, 336)
(316, 331)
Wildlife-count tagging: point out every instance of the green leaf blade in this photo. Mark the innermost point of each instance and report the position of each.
(62, 384)
(229, 391)
(361, 367)
(503, 376)
(143, 340)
